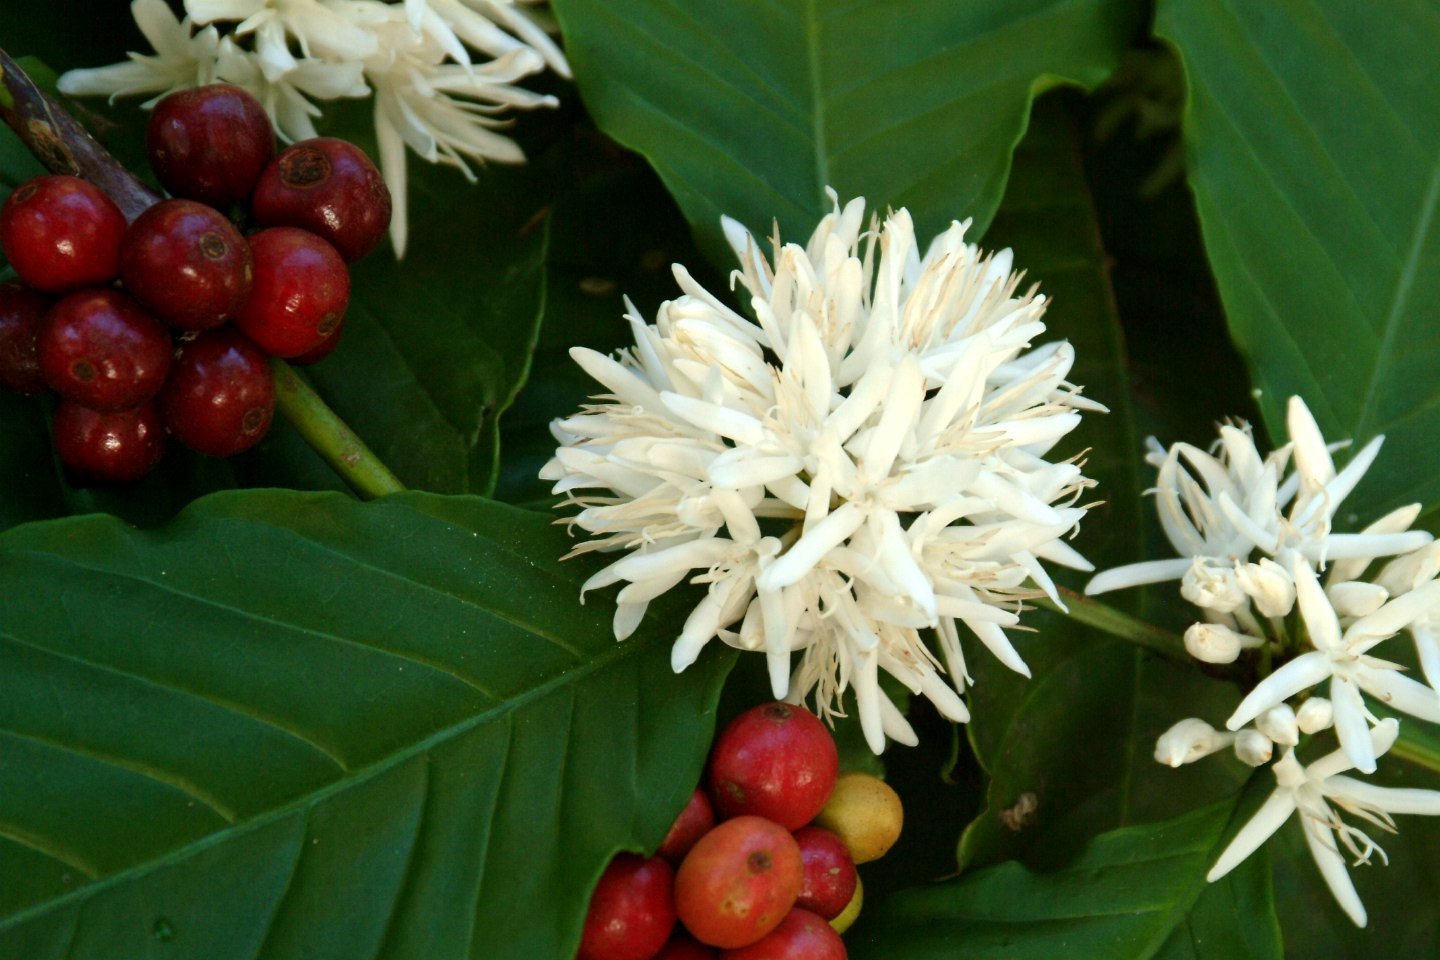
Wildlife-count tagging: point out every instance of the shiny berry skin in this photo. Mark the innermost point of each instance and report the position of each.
(98, 348)
(326, 347)
(802, 935)
(22, 311)
(830, 875)
(210, 144)
(61, 233)
(631, 912)
(186, 264)
(300, 291)
(693, 823)
(738, 882)
(328, 187)
(775, 761)
(99, 447)
(220, 397)
(682, 946)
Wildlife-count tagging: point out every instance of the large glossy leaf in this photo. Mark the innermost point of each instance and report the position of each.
(1133, 894)
(753, 108)
(292, 725)
(1315, 159)
(1078, 736)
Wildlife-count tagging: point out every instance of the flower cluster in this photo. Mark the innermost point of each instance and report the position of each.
(419, 60)
(860, 467)
(1306, 606)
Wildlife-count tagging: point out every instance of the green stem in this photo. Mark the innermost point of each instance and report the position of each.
(1117, 623)
(329, 436)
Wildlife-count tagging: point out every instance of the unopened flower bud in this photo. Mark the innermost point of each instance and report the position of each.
(1269, 586)
(1216, 643)
(1407, 572)
(1253, 747)
(1211, 588)
(1188, 741)
(1279, 724)
(1315, 715)
(1355, 598)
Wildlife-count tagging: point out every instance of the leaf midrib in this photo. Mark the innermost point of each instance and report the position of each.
(1399, 300)
(355, 777)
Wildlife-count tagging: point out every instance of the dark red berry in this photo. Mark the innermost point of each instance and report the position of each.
(800, 936)
(210, 143)
(775, 761)
(829, 872)
(187, 264)
(98, 447)
(98, 348)
(328, 187)
(693, 823)
(300, 291)
(21, 313)
(61, 233)
(220, 397)
(631, 912)
(326, 347)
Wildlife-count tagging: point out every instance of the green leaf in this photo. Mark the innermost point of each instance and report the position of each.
(295, 725)
(753, 108)
(1315, 160)
(1076, 738)
(1136, 894)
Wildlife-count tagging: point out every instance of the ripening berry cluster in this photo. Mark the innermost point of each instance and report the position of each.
(163, 326)
(775, 878)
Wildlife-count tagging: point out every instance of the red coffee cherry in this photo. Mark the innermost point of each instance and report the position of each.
(775, 761)
(326, 347)
(330, 188)
(98, 447)
(187, 264)
(210, 143)
(693, 823)
(801, 936)
(61, 233)
(300, 291)
(738, 882)
(631, 912)
(220, 397)
(21, 312)
(830, 875)
(98, 348)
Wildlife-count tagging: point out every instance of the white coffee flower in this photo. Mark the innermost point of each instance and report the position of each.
(1343, 659)
(1311, 790)
(1217, 643)
(1253, 748)
(431, 93)
(1314, 715)
(183, 57)
(1218, 509)
(1189, 740)
(862, 461)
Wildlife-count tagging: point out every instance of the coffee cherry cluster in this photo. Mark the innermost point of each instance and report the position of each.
(163, 327)
(759, 866)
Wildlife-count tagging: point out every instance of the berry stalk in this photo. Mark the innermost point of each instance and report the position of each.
(328, 435)
(63, 146)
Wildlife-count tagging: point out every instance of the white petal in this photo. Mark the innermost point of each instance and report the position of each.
(1312, 458)
(1402, 800)
(1332, 868)
(1320, 618)
(1137, 574)
(1351, 727)
(1299, 674)
(1399, 692)
(806, 552)
(1272, 814)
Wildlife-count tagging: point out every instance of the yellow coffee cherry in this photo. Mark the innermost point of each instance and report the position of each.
(845, 917)
(866, 813)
